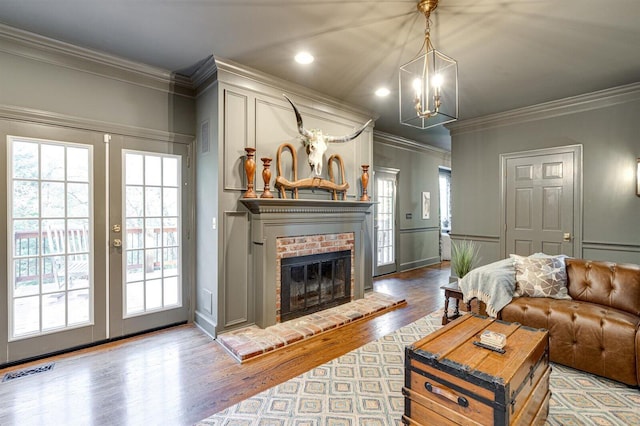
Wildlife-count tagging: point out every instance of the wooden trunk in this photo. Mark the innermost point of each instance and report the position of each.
(451, 381)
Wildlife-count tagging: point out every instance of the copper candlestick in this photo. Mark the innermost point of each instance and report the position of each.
(250, 169)
(266, 176)
(365, 182)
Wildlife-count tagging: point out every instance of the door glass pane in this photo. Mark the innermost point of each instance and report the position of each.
(152, 227)
(79, 306)
(152, 171)
(79, 157)
(445, 199)
(53, 162)
(133, 169)
(171, 291)
(25, 199)
(384, 220)
(78, 200)
(25, 160)
(51, 253)
(52, 198)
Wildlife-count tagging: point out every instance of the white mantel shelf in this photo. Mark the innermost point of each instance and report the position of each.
(287, 205)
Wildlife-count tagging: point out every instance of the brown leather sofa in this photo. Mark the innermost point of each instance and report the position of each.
(599, 330)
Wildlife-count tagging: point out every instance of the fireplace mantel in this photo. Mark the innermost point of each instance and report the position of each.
(273, 218)
(286, 205)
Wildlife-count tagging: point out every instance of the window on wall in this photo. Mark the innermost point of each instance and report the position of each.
(445, 199)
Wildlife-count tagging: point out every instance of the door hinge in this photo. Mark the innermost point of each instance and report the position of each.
(189, 149)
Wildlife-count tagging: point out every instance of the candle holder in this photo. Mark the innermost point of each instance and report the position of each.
(266, 176)
(365, 182)
(250, 170)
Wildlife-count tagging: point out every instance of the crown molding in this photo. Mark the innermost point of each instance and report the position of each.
(572, 105)
(403, 143)
(204, 75)
(62, 120)
(36, 47)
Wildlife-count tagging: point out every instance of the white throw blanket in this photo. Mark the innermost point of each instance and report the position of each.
(493, 284)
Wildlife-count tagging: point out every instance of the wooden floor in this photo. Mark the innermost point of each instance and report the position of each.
(180, 376)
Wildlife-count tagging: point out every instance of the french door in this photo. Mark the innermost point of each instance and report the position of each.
(385, 184)
(148, 232)
(66, 282)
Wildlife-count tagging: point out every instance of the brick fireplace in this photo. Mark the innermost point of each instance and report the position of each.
(284, 228)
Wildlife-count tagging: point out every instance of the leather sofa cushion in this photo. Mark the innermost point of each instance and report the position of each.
(582, 335)
(605, 283)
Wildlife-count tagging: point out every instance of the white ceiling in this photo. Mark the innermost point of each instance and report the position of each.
(510, 53)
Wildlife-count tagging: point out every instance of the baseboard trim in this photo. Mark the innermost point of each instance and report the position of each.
(419, 263)
(205, 324)
(88, 345)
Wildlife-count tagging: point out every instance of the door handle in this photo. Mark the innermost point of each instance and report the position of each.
(566, 236)
(117, 242)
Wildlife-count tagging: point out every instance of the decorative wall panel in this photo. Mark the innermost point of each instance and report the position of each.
(238, 300)
(236, 106)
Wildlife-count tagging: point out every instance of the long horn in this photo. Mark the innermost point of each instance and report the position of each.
(304, 132)
(349, 137)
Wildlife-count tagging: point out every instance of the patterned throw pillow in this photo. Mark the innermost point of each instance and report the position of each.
(541, 277)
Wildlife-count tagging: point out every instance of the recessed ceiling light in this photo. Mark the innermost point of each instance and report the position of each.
(304, 58)
(382, 92)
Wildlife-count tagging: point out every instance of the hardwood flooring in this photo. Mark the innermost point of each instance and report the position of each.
(180, 376)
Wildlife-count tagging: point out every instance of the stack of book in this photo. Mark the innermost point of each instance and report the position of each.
(493, 339)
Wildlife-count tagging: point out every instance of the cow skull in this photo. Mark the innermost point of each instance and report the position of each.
(315, 141)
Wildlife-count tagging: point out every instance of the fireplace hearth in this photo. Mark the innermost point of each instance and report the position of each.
(314, 282)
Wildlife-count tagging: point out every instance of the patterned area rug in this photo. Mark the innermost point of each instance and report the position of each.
(364, 386)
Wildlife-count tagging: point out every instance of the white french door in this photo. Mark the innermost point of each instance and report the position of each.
(148, 218)
(54, 252)
(385, 183)
(94, 238)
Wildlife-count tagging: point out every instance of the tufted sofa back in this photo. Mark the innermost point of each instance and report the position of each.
(605, 283)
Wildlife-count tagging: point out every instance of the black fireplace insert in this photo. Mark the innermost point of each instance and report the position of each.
(313, 283)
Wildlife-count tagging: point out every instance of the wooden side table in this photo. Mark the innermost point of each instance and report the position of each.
(452, 290)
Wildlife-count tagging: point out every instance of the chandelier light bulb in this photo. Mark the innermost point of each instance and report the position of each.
(417, 87)
(437, 81)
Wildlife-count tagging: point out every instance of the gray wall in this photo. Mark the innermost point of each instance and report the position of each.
(605, 124)
(95, 91)
(418, 239)
(246, 109)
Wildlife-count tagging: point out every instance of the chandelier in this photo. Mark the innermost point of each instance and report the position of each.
(428, 83)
